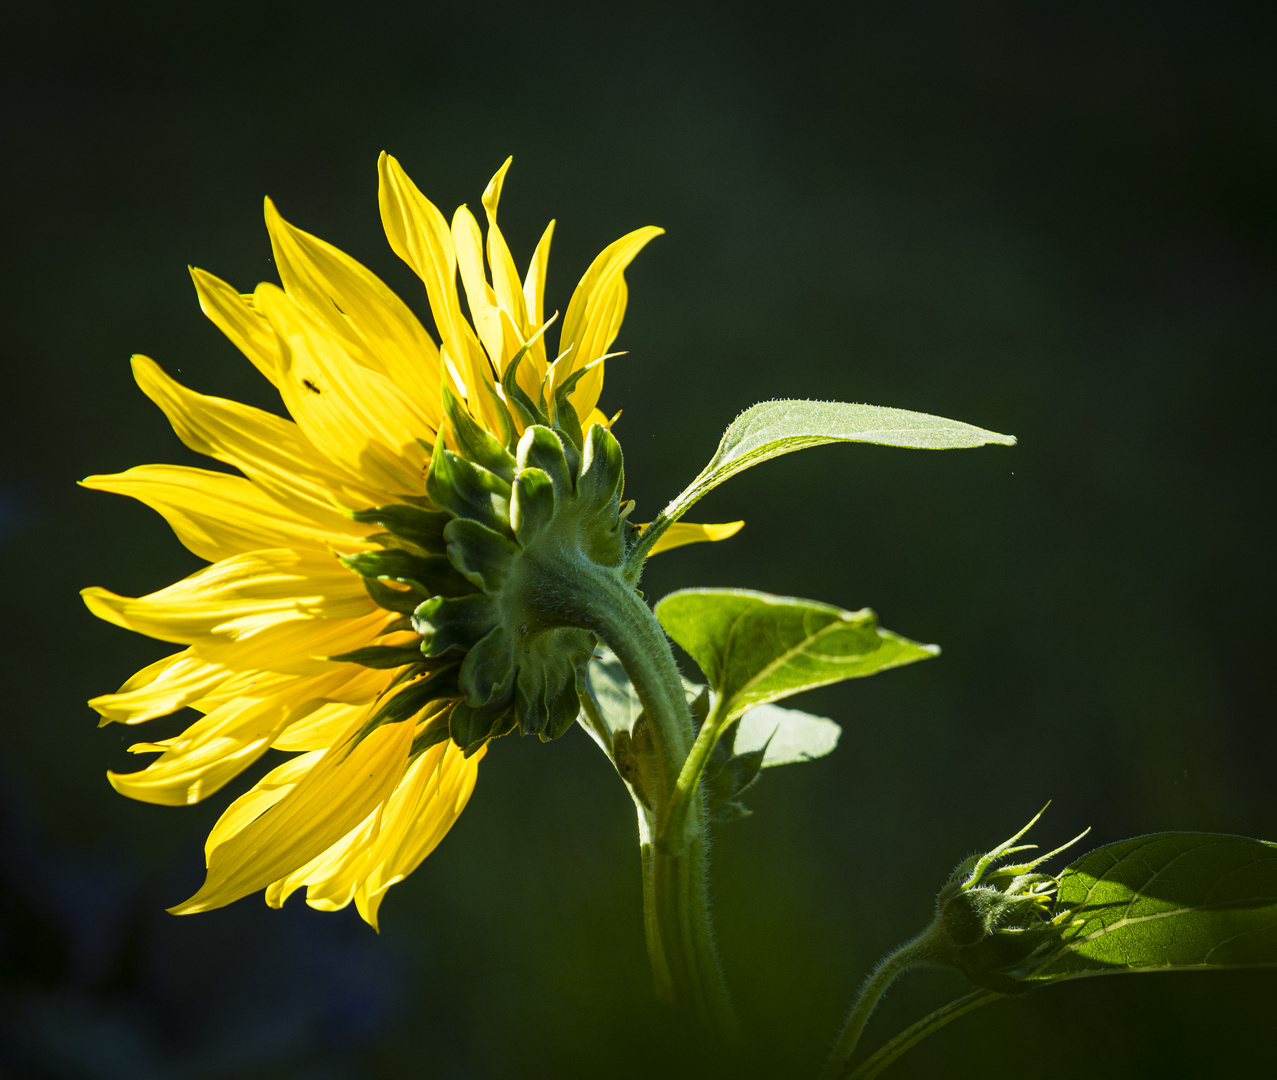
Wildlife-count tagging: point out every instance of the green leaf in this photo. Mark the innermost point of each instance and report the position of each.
(755, 648)
(773, 428)
(789, 735)
(1168, 902)
(617, 700)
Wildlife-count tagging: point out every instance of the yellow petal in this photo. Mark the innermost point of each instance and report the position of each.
(331, 877)
(334, 796)
(297, 647)
(258, 799)
(318, 729)
(417, 816)
(236, 317)
(355, 417)
(684, 532)
(595, 313)
(505, 277)
(534, 299)
(419, 235)
(219, 746)
(208, 754)
(350, 302)
(238, 597)
(271, 451)
(467, 241)
(173, 683)
(217, 515)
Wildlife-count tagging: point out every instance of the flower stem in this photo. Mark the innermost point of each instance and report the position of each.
(915, 953)
(578, 592)
(915, 1033)
(686, 791)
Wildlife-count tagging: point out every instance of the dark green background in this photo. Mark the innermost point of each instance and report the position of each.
(1050, 220)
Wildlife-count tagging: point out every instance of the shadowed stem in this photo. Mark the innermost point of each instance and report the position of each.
(685, 966)
(915, 1033)
(915, 953)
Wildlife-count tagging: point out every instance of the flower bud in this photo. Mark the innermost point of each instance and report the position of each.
(994, 918)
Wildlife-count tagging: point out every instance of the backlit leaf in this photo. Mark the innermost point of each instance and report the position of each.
(773, 428)
(794, 735)
(756, 648)
(1168, 902)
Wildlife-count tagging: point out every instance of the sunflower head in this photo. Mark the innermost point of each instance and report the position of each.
(467, 562)
(384, 560)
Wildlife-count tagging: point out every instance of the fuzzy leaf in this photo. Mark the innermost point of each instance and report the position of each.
(794, 735)
(1168, 902)
(772, 428)
(612, 690)
(756, 648)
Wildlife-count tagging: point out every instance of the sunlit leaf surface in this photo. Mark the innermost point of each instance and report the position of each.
(1170, 901)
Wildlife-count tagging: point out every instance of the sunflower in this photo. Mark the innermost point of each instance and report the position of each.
(361, 610)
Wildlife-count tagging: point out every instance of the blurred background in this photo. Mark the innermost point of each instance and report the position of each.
(1050, 221)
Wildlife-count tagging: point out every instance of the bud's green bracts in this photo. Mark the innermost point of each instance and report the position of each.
(992, 920)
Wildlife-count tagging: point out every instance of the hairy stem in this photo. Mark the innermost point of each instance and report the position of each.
(578, 592)
(915, 953)
(686, 794)
(915, 1033)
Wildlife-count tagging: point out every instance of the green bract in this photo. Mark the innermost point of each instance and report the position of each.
(478, 569)
(994, 917)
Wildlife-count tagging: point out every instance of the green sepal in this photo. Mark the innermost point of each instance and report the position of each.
(602, 469)
(465, 490)
(529, 412)
(541, 448)
(482, 556)
(454, 622)
(509, 436)
(565, 417)
(415, 524)
(440, 683)
(475, 443)
(382, 656)
(471, 728)
(532, 504)
(435, 732)
(547, 696)
(487, 673)
(430, 575)
(405, 601)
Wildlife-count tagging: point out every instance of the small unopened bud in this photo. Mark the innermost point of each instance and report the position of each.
(994, 917)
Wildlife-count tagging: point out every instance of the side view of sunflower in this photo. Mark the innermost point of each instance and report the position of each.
(361, 609)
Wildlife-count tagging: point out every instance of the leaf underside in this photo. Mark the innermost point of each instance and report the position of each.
(773, 428)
